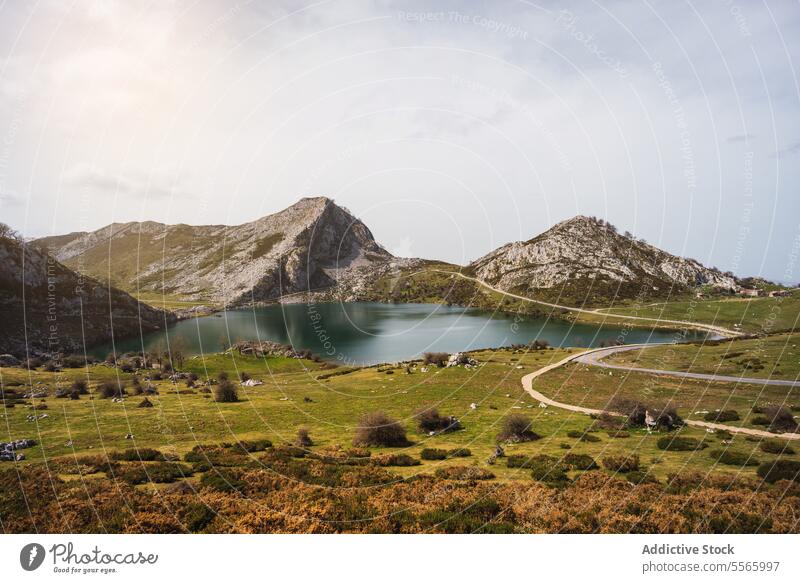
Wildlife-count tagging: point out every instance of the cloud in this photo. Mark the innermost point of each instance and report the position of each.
(157, 185)
(789, 150)
(739, 138)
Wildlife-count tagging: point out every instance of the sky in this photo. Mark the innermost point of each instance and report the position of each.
(449, 128)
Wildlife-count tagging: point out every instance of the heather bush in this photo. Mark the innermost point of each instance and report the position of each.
(111, 389)
(377, 429)
(464, 473)
(776, 446)
(677, 443)
(433, 454)
(721, 416)
(779, 470)
(733, 458)
(621, 463)
(517, 428)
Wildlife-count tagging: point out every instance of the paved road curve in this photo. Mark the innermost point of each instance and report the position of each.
(528, 379)
(595, 357)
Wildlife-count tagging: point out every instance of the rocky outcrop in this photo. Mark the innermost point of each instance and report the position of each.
(47, 308)
(308, 246)
(587, 252)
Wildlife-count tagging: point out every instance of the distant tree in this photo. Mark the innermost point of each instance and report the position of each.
(7, 232)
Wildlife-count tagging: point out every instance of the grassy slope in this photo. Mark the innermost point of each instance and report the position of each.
(120, 260)
(776, 356)
(754, 315)
(275, 410)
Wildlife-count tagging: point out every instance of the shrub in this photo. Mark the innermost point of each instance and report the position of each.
(732, 458)
(517, 428)
(251, 446)
(226, 392)
(721, 416)
(196, 516)
(779, 470)
(136, 386)
(111, 389)
(545, 468)
(243, 376)
(394, 459)
(459, 452)
(144, 454)
(636, 413)
(80, 386)
(303, 438)
(632, 409)
(433, 454)
(377, 429)
(780, 419)
(32, 363)
(157, 473)
(579, 461)
(677, 443)
(621, 463)
(777, 446)
(583, 436)
(221, 481)
(145, 404)
(464, 473)
(437, 358)
(638, 477)
(430, 421)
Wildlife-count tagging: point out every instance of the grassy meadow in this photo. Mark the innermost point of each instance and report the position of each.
(329, 403)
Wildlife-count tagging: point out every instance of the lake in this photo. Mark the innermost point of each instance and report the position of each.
(370, 333)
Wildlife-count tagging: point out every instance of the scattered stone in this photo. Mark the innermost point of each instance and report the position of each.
(460, 358)
(7, 450)
(252, 383)
(473, 406)
(129, 436)
(38, 393)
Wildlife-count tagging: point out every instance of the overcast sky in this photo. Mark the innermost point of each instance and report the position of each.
(450, 128)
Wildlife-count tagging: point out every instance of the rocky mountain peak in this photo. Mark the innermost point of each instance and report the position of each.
(587, 255)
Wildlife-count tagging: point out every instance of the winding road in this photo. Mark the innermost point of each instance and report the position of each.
(593, 357)
(728, 333)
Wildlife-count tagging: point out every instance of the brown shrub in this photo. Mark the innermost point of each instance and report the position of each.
(379, 430)
(517, 428)
(225, 392)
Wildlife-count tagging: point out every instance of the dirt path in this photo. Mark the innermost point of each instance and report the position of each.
(528, 379)
(682, 323)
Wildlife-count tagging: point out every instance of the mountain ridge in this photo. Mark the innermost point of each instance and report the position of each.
(316, 245)
(47, 308)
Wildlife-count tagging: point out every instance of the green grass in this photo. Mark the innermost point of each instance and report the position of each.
(752, 315)
(595, 387)
(294, 396)
(776, 356)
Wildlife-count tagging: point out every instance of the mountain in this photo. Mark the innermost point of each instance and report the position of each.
(586, 259)
(308, 246)
(45, 307)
